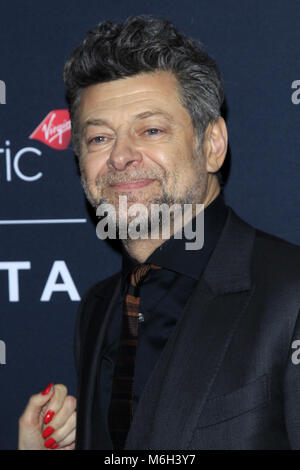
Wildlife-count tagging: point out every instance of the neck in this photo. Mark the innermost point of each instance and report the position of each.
(141, 249)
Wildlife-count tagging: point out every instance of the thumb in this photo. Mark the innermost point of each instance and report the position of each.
(32, 412)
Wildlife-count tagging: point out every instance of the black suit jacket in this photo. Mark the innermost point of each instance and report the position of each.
(225, 379)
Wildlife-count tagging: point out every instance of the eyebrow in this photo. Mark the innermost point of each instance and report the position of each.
(137, 117)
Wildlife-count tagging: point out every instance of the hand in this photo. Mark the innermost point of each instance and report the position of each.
(48, 421)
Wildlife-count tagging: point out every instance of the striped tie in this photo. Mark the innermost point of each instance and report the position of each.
(121, 405)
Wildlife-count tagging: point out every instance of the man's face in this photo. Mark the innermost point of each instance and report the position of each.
(138, 140)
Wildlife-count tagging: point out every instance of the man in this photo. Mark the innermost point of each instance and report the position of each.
(214, 361)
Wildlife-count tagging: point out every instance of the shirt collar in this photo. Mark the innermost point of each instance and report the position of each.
(173, 255)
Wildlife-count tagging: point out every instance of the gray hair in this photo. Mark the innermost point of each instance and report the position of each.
(145, 44)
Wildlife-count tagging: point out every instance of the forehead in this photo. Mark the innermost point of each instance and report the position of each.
(132, 95)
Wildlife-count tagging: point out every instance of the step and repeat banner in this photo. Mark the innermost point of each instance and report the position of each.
(49, 251)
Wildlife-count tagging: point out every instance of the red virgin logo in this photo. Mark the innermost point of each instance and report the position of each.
(54, 130)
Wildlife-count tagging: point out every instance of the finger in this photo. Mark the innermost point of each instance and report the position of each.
(68, 440)
(32, 413)
(56, 403)
(68, 433)
(70, 447)
(63, 414)
(61, 432)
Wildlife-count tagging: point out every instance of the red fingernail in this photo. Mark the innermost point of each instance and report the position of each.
(48, 416)
(47, 389)
(50, 442)
(55, 446)
(47, 432)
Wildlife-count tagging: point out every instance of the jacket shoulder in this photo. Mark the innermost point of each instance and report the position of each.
(277, 253)
(273, 260)
(276, 265)
(269, 249)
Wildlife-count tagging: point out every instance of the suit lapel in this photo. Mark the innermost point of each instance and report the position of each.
(102, 306)
(180, 383)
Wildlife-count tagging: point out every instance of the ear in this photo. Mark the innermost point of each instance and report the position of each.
(215, 145)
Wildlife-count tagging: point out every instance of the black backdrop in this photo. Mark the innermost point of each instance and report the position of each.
(49, 252)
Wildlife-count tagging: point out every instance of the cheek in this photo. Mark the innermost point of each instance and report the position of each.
(185, 167)
(179, 160)
(91, 169)
(168, 157)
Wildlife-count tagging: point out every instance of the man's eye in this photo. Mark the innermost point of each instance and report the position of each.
(97, 140)
(153, 131)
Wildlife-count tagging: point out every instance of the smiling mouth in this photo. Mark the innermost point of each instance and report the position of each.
(132, 184)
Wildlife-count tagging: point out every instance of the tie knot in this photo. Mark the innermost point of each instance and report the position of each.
(139, 273)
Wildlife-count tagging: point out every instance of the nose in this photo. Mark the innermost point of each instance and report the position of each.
(123, 154)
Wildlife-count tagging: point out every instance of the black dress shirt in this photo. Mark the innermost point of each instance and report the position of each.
(164, 293)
